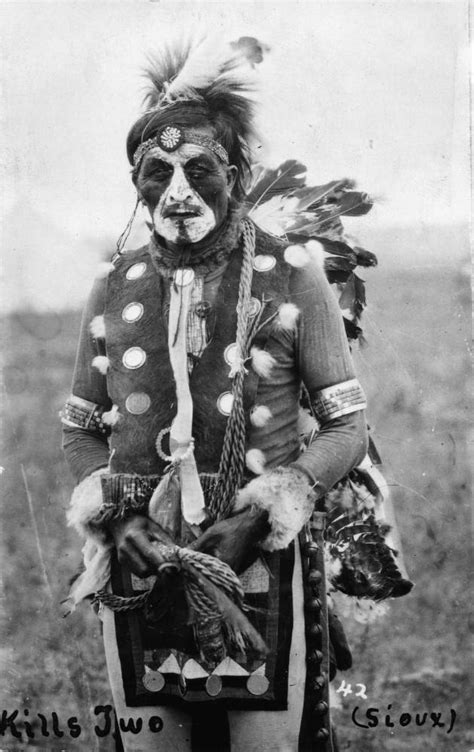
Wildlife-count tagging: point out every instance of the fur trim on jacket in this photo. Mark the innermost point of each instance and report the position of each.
(86, 501)
(285, 493)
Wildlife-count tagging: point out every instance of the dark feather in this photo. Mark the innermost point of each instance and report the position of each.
(365, 258)
(285, 179)
(357, 540)
(353, 296)
(352, 203)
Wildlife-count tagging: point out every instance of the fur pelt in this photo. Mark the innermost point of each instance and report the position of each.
(97, 327)
(262, 362)
(102, 363)
(86, 501)
(285, 493)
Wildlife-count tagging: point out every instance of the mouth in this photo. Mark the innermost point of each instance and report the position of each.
(180, 214)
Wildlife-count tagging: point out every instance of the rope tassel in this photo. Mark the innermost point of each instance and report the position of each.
(212, 590)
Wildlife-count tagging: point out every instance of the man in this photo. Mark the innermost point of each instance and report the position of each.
(182, 432)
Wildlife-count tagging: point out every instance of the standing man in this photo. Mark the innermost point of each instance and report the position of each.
(182, 433)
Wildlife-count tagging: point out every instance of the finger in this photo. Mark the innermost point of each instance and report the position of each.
(134, 561)
(147, 549)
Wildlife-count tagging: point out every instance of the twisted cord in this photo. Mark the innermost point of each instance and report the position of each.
(206, 608)
(118, 603)
(219, 573)
(232, 461)
(126, 232)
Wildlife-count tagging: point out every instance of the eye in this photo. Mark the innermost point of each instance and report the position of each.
(196, 173)
(157, 170)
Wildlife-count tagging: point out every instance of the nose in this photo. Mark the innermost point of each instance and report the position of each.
(179, 189)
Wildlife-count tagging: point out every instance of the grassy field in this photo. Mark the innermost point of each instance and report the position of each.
(415, 369)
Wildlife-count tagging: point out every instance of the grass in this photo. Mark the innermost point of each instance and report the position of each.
(415, 370)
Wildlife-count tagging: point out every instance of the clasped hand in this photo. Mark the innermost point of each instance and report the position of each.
(233, 540)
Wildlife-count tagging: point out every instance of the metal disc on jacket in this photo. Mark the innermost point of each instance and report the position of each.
(136, 271)
(257, 684)
(153, 681)
(134, 357)
(183, 277)
(132, 312)
(263, 262)
(255, 306)
(230, 354)
(137, 403)
(225, 402)
(213, 685)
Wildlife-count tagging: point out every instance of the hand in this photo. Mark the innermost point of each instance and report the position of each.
(235, 540)
(135, 540)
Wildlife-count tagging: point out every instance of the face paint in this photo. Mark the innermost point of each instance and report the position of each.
(181, 214)
(186, 191)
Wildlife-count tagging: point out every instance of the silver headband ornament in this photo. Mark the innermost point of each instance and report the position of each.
(171, 137)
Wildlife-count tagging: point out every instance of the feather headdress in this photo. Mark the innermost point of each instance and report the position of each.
(201, 84)
(196, 71)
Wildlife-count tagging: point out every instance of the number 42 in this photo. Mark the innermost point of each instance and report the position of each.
(346, 689)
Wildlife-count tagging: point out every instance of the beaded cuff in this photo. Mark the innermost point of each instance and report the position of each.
(123, 496)
(340, 399)
(80, 413)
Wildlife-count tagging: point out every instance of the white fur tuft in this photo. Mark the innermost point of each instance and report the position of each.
(333, 567)
(262, 362)
(316, 252)
(97, 327)
(255, 461)
(86, 502)
(111, 417)
(288, 315)
(260, 416)
(102, 363)
(104, 269)
(296, 255)
(288, 498)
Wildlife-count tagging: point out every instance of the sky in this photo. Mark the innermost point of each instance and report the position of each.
(375, 91)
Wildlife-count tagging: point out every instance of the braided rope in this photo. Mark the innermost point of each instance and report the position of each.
(232, 461)
(197, 599)
(118, 603)
(219, 573)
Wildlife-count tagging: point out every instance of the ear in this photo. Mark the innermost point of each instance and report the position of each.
(231, 178)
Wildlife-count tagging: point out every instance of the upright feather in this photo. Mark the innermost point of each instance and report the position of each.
(192, 68)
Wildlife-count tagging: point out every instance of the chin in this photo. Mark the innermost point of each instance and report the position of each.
(186, 230)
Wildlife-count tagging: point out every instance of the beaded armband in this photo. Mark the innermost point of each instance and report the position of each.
(340, 399)
(123, 496)
(80, 413)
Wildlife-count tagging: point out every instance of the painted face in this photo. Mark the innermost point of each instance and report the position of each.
(186, 191)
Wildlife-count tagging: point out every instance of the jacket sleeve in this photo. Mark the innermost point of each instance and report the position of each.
(327, 372)
(85, 434)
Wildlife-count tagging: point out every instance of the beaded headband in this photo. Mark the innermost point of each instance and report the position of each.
(172, 136)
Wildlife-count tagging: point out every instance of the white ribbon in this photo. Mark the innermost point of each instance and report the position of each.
(181, 441)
